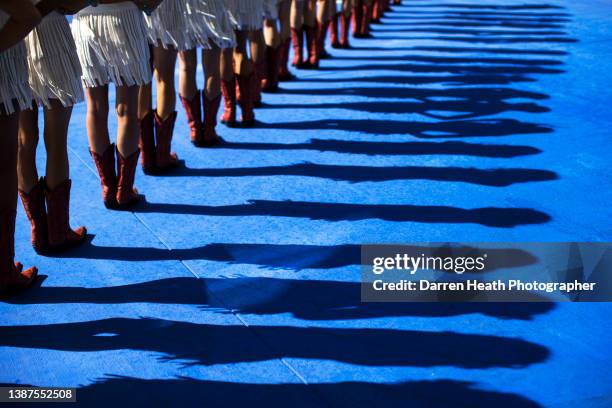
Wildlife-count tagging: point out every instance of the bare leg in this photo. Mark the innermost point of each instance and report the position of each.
(211, 59)
(8, 162)
(271, 34)
(243, 65)
(257, 45)
(11, 275)
(127, 120)
(57, 120)
(145, 100)
(188, 64)
(97, 118)
(28, 141)
(297, 15)
(164, 61)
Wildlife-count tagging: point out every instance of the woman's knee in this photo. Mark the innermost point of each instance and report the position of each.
(125, 110)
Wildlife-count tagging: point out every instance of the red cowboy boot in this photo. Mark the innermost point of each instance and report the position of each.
(193, 110)
(365, 20)
(164, 130)
(147, 143)
(344, 31)
(333, 31)
(228, 89)
(283, 57)
(12, 276)
(34, 206)
(313, 55)
(270, 82)
(356, 17)
(259, 69)
(297, 38)
(321, 38)
(105, 164)
(211, 109)
(246, 103)
(61, 235)
(376, 11)
(126, 172)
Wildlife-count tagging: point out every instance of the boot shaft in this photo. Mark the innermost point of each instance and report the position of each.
(312, 44)
(297, 39)
(333, 30)
(164, 131)
(245, 82)
(58, 207)
(147, 141)
(7, 240)
(126, 173)
(211, 109)
(105, 164)
(36, 211)
(193, 111)
(344, 30)
(228, 90)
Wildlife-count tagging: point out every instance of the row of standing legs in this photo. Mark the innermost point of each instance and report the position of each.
(239, 75)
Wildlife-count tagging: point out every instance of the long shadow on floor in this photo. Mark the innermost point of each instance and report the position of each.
(295, 257)
(443, 21)
(534, 31)
(507, 9)
(449, 68)
(423, 130)
(480, 40)
(209, 344)
(462, 50)
(446, 80)
(190, 392)
(489, 216)
(449, 110)
(472, 94)
(393, 148)
(449, 60)
(314, 300)
(359, 174)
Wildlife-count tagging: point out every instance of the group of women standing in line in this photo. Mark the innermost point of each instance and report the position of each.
(45, 63)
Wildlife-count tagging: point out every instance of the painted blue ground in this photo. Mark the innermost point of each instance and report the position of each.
(237, 282)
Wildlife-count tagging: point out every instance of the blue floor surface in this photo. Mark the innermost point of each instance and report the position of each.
(236, 283)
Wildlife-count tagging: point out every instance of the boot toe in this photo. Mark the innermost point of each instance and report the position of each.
(78, 235)
(28, 276)
(19, 280)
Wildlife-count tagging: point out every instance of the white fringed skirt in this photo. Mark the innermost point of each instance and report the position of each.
(169, 24)
(15, 91)
(112, 45)
(246, 14)
(55, 71)
(210, 22)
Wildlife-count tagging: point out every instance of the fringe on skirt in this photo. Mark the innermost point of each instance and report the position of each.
(169, 26)
(55, 72)
(14, 88)
(246, 14)
(210, 22)
(112, 45)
